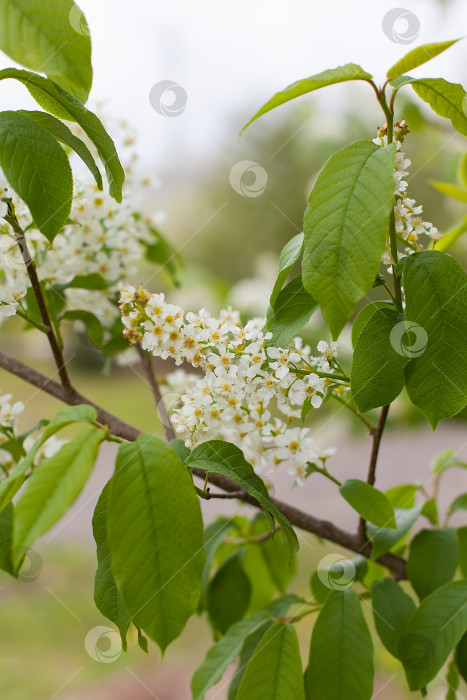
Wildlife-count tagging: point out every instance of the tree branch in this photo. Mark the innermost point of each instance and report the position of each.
(377, 435)
(36, 288)
(160, 406)
(122, 429)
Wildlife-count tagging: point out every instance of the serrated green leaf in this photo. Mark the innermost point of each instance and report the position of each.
(341, 651)
(446, 99)
(436, 303)
(291, 311)
(55, 100)
(63, 134)
(93, 326)
(275, 669)
(392, 609)
(229, 593)
(364, 316)
(459, 503)
(50, 36)
(417, 57)
(155, 528)
(384, 538)
(432, 632)
(213, 536)
(461, 657)
(6, 539)
(341, 74)
(290, 254)
(432, 560)
(53, 487)
(224, 458)
(224, 652)
(346, 225)
(462, 542)
(37, 168)
(450, 190)
(106, 596)
(369, 503)
(377, 374)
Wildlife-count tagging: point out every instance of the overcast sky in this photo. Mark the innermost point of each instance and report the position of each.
(231, 57)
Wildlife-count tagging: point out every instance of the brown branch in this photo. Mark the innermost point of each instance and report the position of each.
(36, 288)
(122, 429)
(377, 435)
(160, 406)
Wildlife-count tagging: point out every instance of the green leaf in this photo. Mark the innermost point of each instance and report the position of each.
(92, 281)
(364, 316)
(291, 311)
(436, 301)
(452, 681)
(290, 254)
(6, 539)
(446, 99)
(63, 134)
(432, 632)
(459, 503)
(106, 596)
(37, 168)
(275, 556)
(369, 503)
(391, 611)
(55, 100)
(341, 74)
(384, 538)
(377, 374)
(462, 542)
(446, 460)
(163, 253)
(416, 57)
(224, 652)
(213, 536)
(275, 669)
(221, 457)
(402, 496)
(450, 190)
(451, 236)
(432, 560)
(51, 37)
(341, 651)
(54, 486)
(151, 486)
(229, 593)
(11, 485)
(461, 657)
(346, 225)
(462, 170)
(94, 327)
(430, 511)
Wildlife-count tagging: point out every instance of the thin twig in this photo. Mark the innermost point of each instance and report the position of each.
(377, 435)
(36, 288)
(160, 406)
(122, 429)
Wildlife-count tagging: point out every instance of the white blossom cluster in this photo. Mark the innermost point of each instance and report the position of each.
(102, 237)
(251, 394)
(408, 215)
